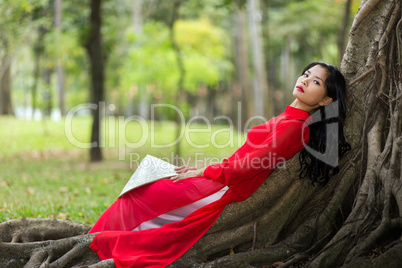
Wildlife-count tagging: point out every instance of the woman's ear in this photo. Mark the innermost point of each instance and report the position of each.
(327, 100)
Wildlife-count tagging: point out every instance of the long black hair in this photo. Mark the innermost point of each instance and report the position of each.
(318, 158)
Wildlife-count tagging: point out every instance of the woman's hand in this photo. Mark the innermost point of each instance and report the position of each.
(183, 169)
(185, 172)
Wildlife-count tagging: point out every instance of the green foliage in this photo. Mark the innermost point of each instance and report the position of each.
(204, 50)
(146, 62)
(310, 27)
(152, 61)
(200, 36)
(71, 55)
(15, 22)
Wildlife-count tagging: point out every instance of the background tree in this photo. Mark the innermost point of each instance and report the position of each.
(260, 83)
(59, 66)
(242, 62)
(15, 14)
(142, 100)
(180, 65)
(95, 52)
(5, 86)
(342, 35)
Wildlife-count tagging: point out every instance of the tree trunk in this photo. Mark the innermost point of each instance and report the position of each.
(353, 221)
(38, 50)
(242, 67)
(34, 88)
(143, 95)
(97, 65)
(341, 42)
(5, 87)
(210, 104)
(59, 65)
(372, 65)
(260, 84)
(47, 94)
(182, 73)
(274, 105)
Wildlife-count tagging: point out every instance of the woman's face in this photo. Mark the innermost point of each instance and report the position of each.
(310, 88)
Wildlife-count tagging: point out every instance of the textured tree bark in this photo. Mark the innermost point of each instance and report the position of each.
(353, 221)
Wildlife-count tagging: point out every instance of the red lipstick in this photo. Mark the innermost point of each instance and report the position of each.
(300, 88)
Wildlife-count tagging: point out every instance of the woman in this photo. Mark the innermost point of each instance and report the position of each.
(153, 225)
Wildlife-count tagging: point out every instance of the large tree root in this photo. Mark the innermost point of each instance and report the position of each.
(46, 243)
(67, 252)
(392, 257)
(29, 230)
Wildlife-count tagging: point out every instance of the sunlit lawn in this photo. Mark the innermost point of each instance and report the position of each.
(44, 174)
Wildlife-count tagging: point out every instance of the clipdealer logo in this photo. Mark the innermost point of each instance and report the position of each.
(113, 133)
(331, 154)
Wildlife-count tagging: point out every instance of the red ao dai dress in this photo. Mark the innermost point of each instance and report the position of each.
(153, 225)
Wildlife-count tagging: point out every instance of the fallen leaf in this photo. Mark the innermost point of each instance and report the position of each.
(276, 264)
(62, 215)
(4, 184)
(30, 191)
(63, 189)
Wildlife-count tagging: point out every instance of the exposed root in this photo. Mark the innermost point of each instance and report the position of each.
(38, 259)
(268, 225)
(74, 253)
(361, 77)
(381, 231)
(296, 258)
(363, 13)
(102, 264)
(29, 230)
(390, 258)
(67, 252)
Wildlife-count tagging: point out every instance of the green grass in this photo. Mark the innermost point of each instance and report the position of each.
(58, 186)
(43, 174)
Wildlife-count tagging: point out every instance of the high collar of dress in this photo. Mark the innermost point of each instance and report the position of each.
(296, 112)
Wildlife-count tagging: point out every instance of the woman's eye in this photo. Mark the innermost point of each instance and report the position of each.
(305, 75)
(316, 82)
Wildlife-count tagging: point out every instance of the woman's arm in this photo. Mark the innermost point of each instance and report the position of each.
(281, 144)
(185, 172)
